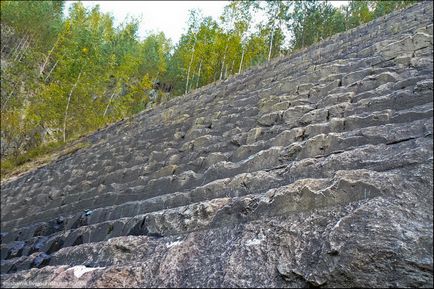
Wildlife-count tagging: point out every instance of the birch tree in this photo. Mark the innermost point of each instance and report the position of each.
(194, 20)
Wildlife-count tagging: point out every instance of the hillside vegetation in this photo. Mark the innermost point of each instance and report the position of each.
(66, 76)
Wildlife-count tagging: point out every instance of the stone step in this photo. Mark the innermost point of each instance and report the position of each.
(349, 123)
(397, 98)
(369, 157)
(219, 187)
(302, 195)
(359, 43)
(394, 162)
(264, 143)
(353, 103)
(317, 146)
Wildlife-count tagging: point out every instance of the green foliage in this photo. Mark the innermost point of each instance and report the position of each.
(10, 164)
(87, 74)
(314, 21)
(67, 76)
(386, 6)
(37, 156)
(39, 18)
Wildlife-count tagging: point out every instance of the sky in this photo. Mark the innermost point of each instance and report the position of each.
(169, 17)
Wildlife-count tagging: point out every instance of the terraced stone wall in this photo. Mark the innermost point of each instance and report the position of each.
(313, 170)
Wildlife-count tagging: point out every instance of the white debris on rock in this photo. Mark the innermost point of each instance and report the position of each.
(176, 243)
(80, 270)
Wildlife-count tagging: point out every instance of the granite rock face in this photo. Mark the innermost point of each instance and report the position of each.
(314, 170)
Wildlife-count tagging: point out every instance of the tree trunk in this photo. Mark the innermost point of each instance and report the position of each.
(25, 105)
(106, 108)
(241, 62)
(14, 51)
(189, 66)
(225, 75)
(19, 49)
(271, 43)
(24, 49)
(223, 64)
(191, 85)
(51, 70)
(67, 105)
(198, 77)
(221, 70)
(41, 70)
(3, 107)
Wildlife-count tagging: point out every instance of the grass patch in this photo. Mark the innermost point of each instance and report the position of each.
(34, 158)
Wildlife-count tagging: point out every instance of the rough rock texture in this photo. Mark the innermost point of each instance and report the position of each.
(314, 170)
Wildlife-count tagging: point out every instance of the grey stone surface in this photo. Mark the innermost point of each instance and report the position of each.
(314, 170)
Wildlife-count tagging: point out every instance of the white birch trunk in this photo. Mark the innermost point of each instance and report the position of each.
(199, 70)
(67, 105)
(13, 52)
(41, 70)
(221, 70)
(189, 66)
(225, 75)
(223, 64)
(18, 53)
(3, 107)
(51, 70)
(25, 105)
(241, 62)
(108, 104)
(24, 50)
(271, 43)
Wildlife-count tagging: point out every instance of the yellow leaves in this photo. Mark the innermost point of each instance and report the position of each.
(112, 59)
(365, 14)
(10, 119)
(67, 25)
(146, 82)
